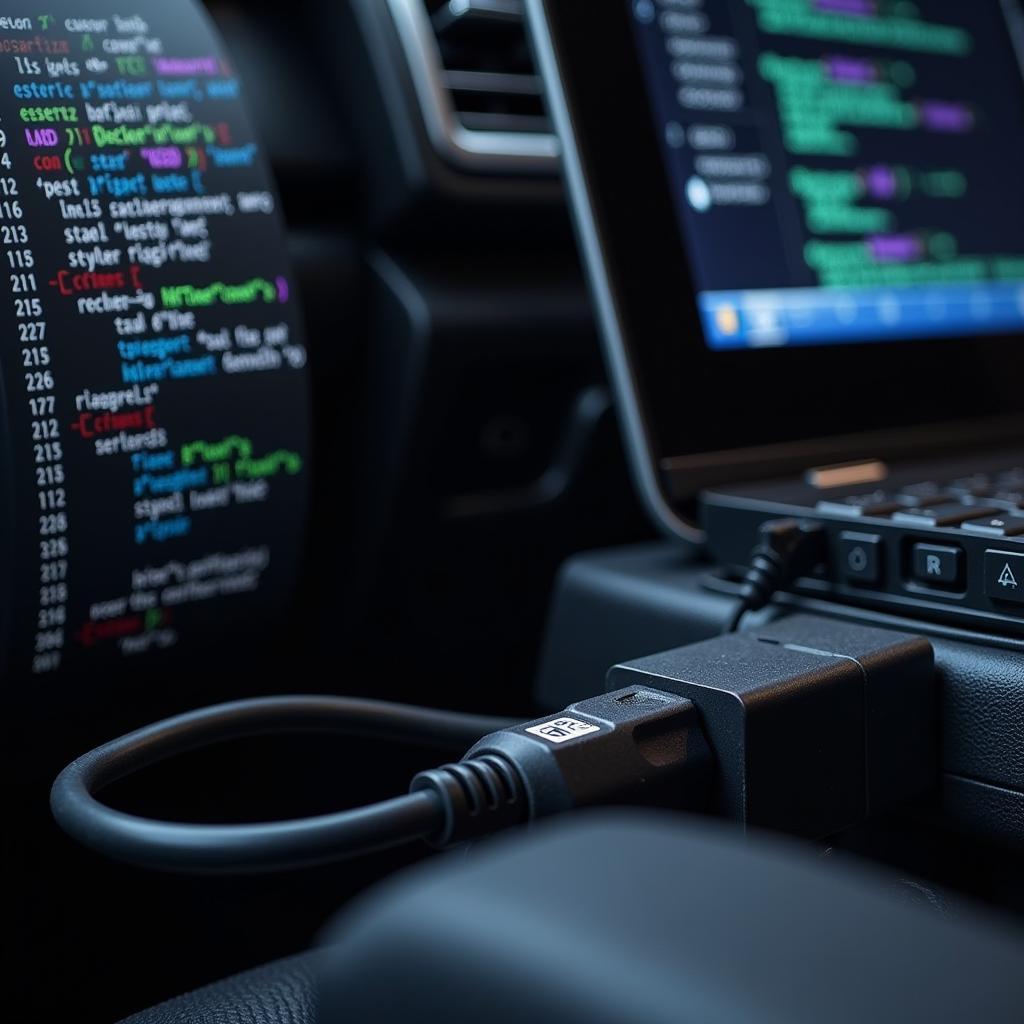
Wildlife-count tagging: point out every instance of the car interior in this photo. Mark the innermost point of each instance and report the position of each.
(426, 417)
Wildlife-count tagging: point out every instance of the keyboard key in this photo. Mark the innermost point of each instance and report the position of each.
(937, 564)
(972, 486)
(1006, 499)
(1004, 576)
(860, 557)
(1003, 501)
(995, 526)
(928, 493)
(877, 503)
(942, 515)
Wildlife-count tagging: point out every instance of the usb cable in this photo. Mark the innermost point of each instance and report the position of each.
(810, 726)
(632, 746)
(786, 550)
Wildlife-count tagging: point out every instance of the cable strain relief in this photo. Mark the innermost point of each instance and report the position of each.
(478, 796)
(762, 578)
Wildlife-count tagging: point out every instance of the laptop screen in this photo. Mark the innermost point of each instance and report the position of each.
(843, 171)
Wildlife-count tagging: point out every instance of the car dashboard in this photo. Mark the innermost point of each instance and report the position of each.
(306, 395)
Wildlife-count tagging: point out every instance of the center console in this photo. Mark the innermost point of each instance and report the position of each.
(618, 604)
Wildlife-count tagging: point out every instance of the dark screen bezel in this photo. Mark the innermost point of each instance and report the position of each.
(695, 401)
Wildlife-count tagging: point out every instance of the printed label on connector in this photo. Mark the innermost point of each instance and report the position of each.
(558, 730)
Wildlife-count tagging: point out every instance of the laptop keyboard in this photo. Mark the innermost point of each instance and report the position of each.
(949, 545)
(991, 505)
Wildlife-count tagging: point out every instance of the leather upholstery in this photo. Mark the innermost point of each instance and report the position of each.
(282, 992)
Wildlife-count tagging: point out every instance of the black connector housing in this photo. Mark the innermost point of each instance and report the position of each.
(815, 724)
(635, 746)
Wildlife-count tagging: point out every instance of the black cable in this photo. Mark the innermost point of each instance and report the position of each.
(636, 745)
(271, 845)
(633, 746)
(736, 618)
(786, 549)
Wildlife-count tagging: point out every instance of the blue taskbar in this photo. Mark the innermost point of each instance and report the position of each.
(819, 316)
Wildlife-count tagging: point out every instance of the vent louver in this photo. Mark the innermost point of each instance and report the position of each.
(476, 82)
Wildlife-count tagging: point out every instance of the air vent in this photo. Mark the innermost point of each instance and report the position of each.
(477, 86)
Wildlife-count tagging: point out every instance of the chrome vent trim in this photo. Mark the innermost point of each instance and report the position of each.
(481, 142)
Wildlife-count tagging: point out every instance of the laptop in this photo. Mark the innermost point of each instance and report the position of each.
(803, 223)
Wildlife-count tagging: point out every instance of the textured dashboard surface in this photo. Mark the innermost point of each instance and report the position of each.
(982, 713)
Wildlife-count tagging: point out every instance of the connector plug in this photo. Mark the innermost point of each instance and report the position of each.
(786, 549)
(633, 746)
(816, 724)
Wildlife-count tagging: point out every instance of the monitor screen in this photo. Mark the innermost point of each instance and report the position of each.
(843, 170)
(153, 382)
